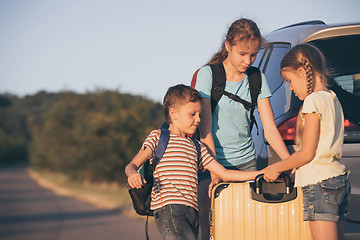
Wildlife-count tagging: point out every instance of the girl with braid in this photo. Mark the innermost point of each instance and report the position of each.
(319, 138)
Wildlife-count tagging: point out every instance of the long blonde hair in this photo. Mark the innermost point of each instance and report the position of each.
(313, 61)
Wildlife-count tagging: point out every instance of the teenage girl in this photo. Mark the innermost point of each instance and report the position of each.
(320, 133)
(226, 130)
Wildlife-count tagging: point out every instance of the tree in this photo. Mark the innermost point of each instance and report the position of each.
(93, 136)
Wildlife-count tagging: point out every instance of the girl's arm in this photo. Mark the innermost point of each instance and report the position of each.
(232, 175)
(307, 152)
(218, 170)
(135, 179)
(271, 132)
(206, 135)
(206, 127)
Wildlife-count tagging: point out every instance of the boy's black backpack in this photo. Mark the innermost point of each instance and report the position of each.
(218, 86)
(141, 197)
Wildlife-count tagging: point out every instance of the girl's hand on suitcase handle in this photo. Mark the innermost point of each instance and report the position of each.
(271, 174)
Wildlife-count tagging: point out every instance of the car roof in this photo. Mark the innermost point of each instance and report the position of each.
(311, 30)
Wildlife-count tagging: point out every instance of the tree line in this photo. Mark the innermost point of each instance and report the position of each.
(89, 137)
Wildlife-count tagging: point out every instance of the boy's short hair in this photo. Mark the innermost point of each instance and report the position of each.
(178, 95)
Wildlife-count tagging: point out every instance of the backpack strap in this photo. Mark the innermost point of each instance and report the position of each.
(161, 147)
(198, 148)
(159, 152)
(254, 78)
(218, 83)
(218, 89)
(193, 80)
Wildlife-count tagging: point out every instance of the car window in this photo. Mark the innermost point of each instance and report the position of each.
(272, 64)
(350, 83)
(343, 56)
(259, 61)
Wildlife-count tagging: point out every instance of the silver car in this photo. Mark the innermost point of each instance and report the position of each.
(340, 44)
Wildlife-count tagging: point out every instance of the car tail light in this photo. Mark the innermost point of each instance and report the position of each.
(352, 132)
(287, 129)
(349, 125)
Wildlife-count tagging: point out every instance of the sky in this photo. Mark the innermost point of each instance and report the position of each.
(140, 47)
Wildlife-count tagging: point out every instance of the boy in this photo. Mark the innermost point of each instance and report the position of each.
(174, 195)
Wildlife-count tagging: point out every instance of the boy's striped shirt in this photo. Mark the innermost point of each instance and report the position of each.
(175, 176)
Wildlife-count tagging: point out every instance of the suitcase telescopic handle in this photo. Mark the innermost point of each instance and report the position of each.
(260, 178)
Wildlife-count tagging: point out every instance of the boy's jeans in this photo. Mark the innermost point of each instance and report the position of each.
(177, 222)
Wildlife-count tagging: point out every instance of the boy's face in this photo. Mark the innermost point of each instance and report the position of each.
(185, 118)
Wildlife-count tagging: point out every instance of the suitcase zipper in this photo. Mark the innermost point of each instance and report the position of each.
(211, 210)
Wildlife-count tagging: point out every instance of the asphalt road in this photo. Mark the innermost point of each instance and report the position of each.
(28, 211)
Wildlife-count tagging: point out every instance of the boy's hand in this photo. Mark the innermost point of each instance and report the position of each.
(212, 184)
(136, 180)
(271, 174)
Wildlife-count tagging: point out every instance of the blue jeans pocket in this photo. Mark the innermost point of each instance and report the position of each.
(334, 190)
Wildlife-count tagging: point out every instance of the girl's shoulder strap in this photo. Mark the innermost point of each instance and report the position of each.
(218, 83)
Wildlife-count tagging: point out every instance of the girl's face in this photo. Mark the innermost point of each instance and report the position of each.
(297, 80)
(243, 54)
(185, 118)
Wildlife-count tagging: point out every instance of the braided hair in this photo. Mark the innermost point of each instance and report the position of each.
(309, 75)
(313, 62)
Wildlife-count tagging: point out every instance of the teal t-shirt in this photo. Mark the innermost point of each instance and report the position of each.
(230, 120)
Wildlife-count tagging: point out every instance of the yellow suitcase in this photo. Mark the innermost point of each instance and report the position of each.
(258, 210)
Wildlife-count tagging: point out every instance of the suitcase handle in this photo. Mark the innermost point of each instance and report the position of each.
(259, 179)
(281, 190)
